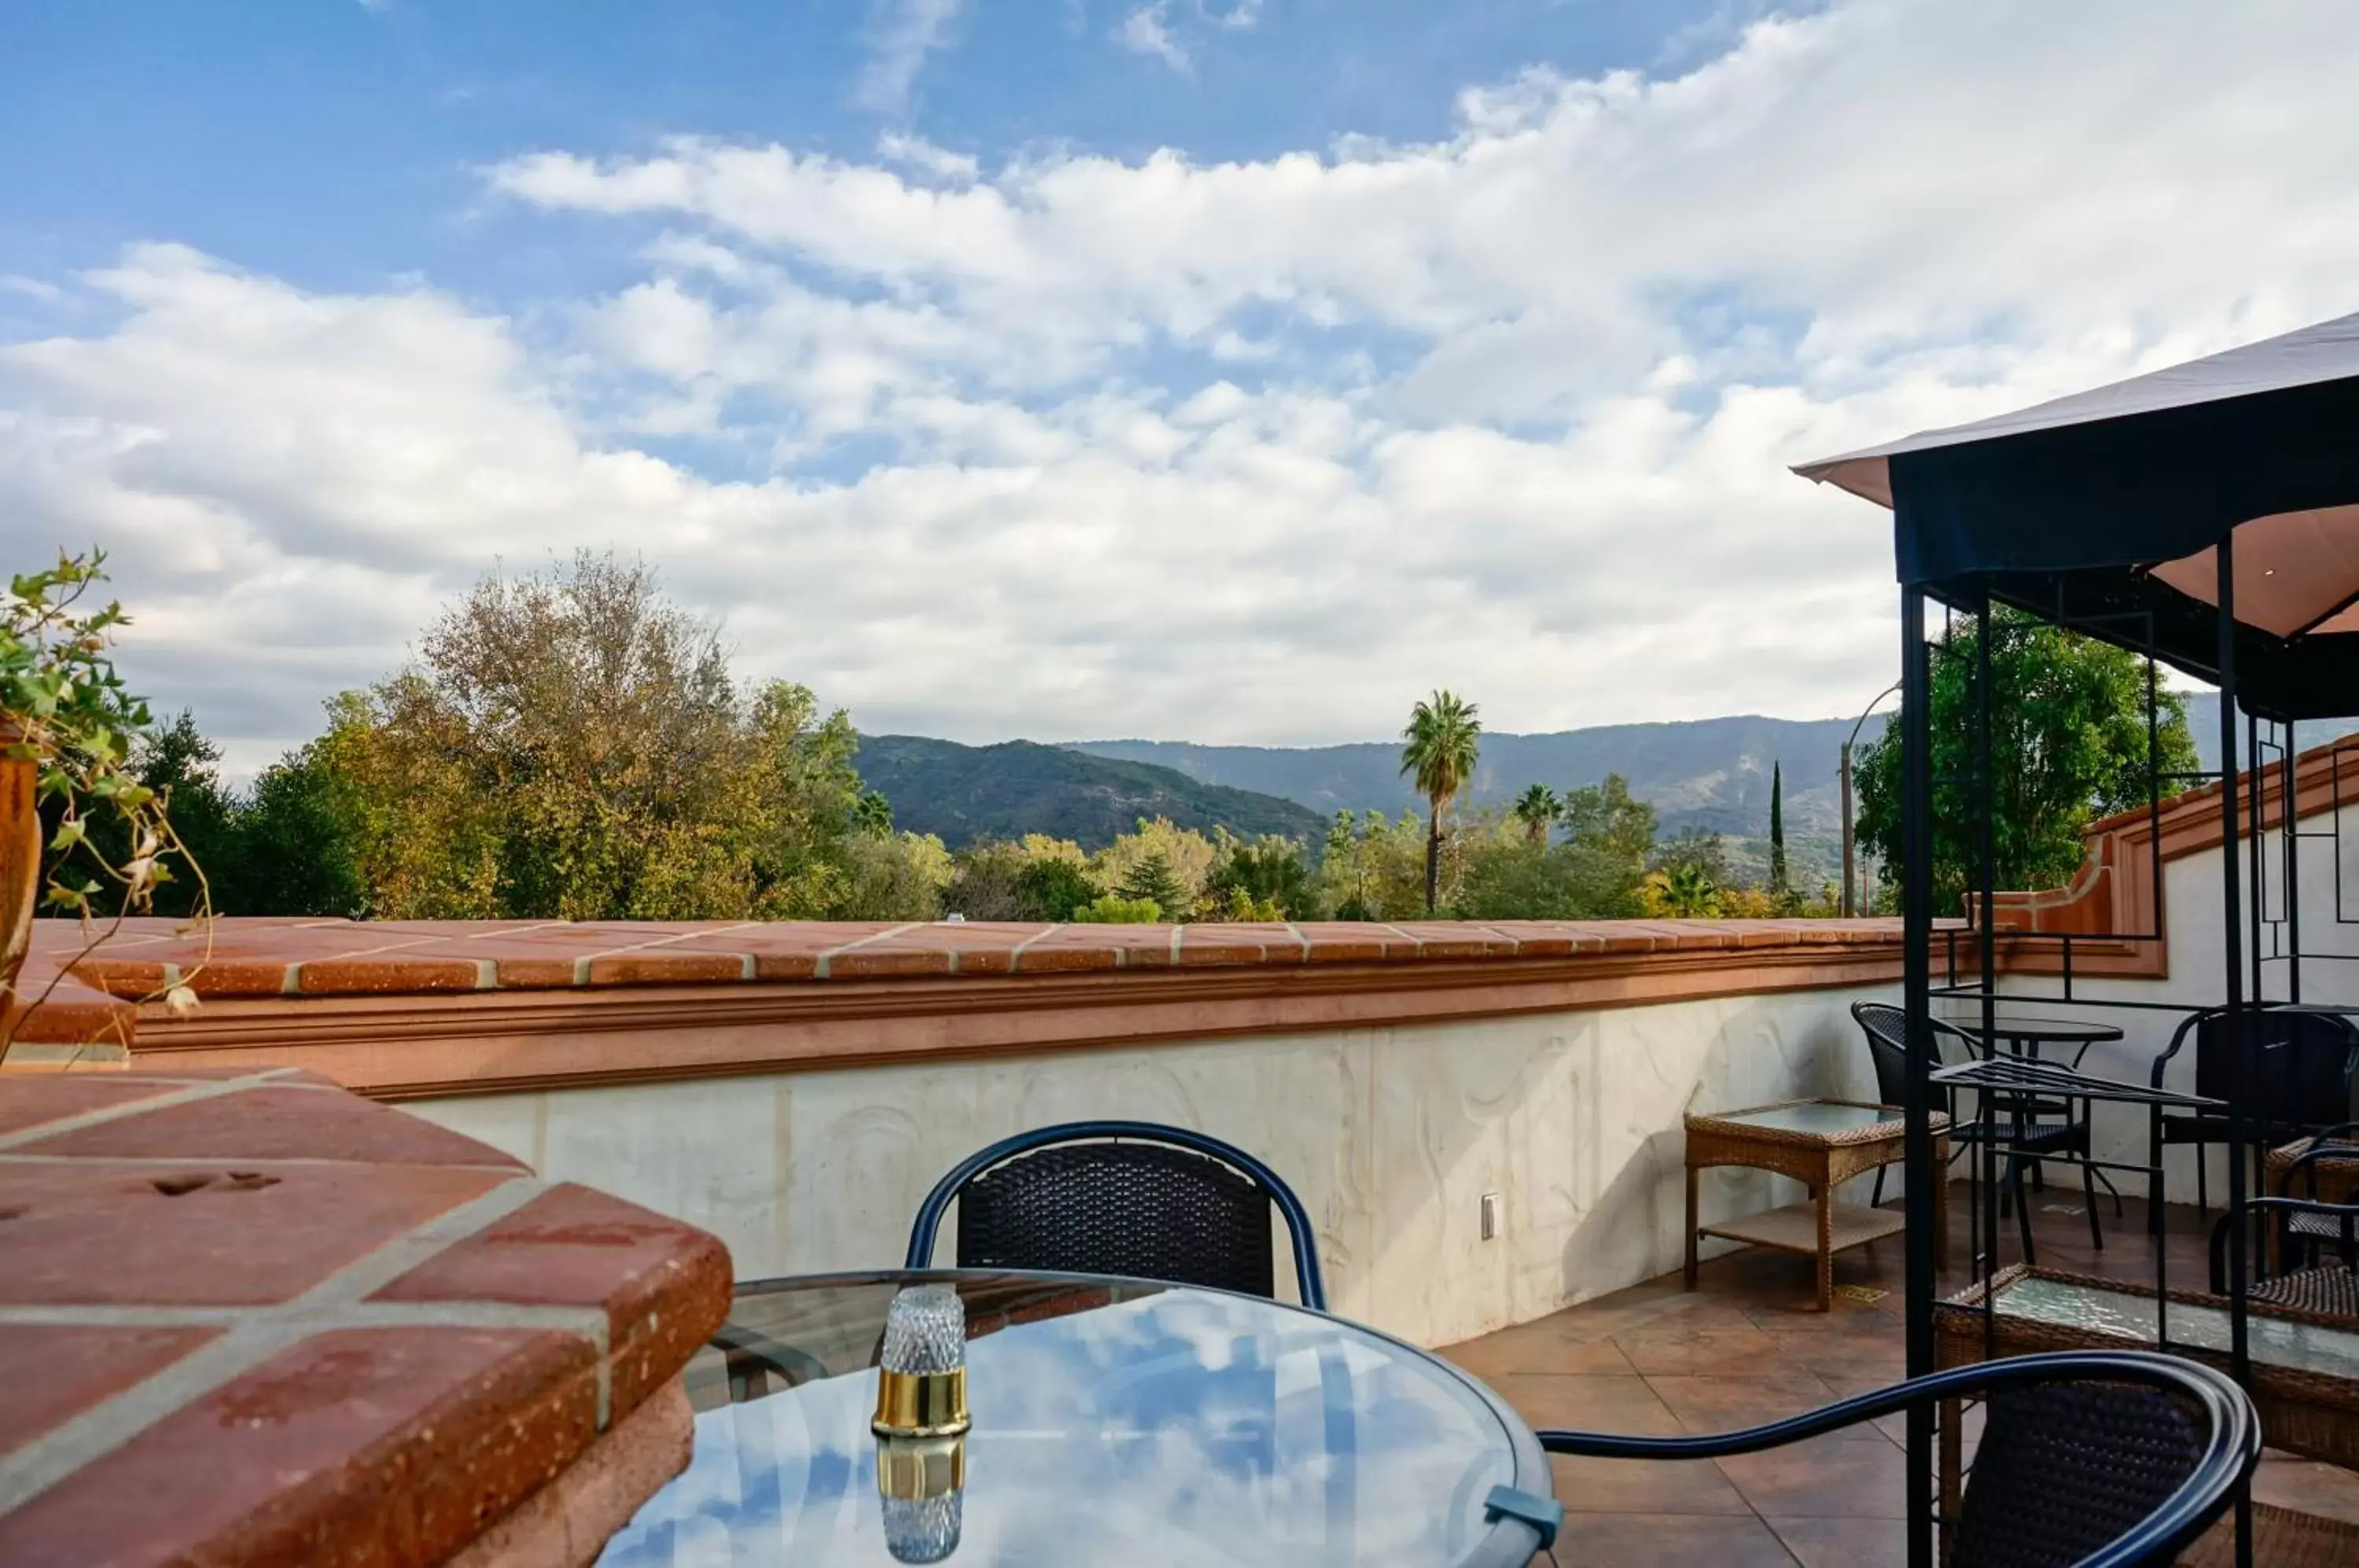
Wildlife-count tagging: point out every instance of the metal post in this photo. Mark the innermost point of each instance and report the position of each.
(2289, 826)
(2232, 964)
(1851, 882)
(1917, 983)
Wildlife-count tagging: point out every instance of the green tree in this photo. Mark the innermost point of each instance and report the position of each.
(1266, 877)
(1440, 747)
(571, 744)
(1113, 912)
(1780, 882)
(1150, 880)
(1053, 887)
(1693, 849)
(1537, 807)
(295, 846)
(873, 814)
(1683, 892)
(1373, 868)
(183, 769)
(2069, 743)
(1605, 818)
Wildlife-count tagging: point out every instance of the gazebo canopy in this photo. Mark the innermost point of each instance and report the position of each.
(2105, 509)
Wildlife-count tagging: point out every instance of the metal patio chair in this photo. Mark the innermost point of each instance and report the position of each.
(1116, 1197)
(2311, 1264)
(2089, 1459)
(2306, 1060)
(2013, 1128)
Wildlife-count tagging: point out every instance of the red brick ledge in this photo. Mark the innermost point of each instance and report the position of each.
(615, 1009)
(292, 957)
(248, 1318)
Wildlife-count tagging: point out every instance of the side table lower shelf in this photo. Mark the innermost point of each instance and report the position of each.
(1795, 1228)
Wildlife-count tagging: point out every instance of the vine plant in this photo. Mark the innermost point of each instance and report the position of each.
(64, 708)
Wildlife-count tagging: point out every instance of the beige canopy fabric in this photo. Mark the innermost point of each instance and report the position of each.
(2297, 573)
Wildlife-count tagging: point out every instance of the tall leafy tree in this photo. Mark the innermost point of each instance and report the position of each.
(570, 744)
(1440, 747)
(1537, 807)
(1605, 818)
(2069, 743)
(1780, 882)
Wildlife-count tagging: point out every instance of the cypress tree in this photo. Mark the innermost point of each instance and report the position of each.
(1780, 883)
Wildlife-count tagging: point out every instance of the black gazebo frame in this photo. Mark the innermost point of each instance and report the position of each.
(2065, 512)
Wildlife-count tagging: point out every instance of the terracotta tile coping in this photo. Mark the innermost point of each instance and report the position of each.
(258, 958)
(249, 1318)
(419, 1010)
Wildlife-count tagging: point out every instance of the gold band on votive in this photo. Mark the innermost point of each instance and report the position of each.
(915, 1469)
(920, 1404)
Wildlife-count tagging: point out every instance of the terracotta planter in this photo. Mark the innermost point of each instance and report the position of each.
(20, 874)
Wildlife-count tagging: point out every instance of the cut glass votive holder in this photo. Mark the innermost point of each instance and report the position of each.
(921, 1369)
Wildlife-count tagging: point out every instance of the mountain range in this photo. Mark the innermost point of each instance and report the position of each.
(1708, 774)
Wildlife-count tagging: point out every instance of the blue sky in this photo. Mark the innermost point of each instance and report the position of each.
(1231, 370)
(334, 142)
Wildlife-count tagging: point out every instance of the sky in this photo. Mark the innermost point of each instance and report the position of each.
(1224, 370)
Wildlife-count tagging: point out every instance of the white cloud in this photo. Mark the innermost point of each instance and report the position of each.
(905, 32)
(1148, 31)
(1250, 451)
(918, 154)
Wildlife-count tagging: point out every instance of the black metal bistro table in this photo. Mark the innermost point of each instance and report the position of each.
(2027, 1036)
(1115, 1420)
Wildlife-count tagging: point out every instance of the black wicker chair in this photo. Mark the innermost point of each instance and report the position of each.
(2014, 1127)
(2090, 1459)
(2313, 1264)
(2303, 1087)
(1112, 1197)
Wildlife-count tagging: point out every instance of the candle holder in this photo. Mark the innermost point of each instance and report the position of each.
(920, 1423)
(921, 1368)
(922, 1483)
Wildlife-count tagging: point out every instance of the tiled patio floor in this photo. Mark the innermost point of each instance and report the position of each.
(1745, 1347)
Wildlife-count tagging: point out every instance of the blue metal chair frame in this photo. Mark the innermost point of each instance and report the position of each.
(1309, 1283)
(2232, 1448)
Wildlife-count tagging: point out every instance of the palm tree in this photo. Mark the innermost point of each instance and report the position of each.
(1537, 807)
(1442, 740)
(1686, 892)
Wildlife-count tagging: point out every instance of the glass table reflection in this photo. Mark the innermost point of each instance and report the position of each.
(1115, 1420)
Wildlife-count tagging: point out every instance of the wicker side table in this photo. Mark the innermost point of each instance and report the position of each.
(1819, 1143)
(2337, 1171)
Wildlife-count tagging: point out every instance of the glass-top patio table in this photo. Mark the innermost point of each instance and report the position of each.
(2304, 1367)
(1115, 1420)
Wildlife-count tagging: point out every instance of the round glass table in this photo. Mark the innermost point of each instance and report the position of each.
(1113, 1420)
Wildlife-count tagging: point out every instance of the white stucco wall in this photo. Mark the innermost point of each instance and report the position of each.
(2194, 919)
(1390, 1136)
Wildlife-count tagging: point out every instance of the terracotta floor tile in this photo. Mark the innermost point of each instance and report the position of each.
(1644, 1486)
(1535, 1347)
(1716, 1402)
(2307, 1486)
(1589, 1402)
(1624, 1540)
(1859, 1476)
(1843, 1543)
(1699, 1342)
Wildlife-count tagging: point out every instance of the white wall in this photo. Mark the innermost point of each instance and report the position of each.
(1390, 1136)
(2195, 916)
